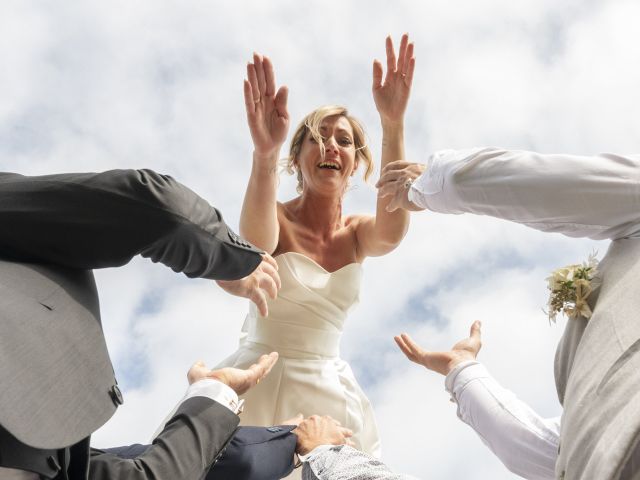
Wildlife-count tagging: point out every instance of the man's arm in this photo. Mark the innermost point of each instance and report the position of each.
(346, 463)
(525, 443)
(596, 197)
(192, 441)
(95, 220)
(244, 456)
(325, 449)
(195, 436)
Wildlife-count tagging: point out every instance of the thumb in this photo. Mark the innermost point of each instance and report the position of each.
(475, 332)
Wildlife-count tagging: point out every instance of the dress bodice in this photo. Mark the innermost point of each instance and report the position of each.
(308, 315)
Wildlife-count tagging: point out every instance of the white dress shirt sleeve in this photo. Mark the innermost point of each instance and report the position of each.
(525, 443)
(210, 388)
(596, 197)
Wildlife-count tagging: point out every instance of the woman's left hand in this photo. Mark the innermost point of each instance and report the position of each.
(395, 181)
(392, 96)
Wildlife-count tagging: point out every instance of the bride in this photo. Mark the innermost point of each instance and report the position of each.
(319, 251)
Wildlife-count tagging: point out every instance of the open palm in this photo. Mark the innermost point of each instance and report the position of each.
(392, 96)
(267, 113)
(443, 362)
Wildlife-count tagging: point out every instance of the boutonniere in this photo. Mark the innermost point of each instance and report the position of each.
(570, 287)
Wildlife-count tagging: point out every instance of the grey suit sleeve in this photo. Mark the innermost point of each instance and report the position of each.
(346, 463)
(191, 442)
(96, 220)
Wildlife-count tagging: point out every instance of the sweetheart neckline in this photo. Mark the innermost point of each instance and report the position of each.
(311, 260)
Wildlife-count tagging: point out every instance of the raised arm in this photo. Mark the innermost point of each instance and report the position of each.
(268, 121)
(384, 232)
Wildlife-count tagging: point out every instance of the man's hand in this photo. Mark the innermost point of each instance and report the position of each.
(316, 431)
(263, 279)
(238, 379)
(443, 362)
(395, 181)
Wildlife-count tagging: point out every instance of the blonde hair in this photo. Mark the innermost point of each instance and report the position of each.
(311, 123)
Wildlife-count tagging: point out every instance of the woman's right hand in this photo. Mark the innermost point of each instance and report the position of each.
(266, 110)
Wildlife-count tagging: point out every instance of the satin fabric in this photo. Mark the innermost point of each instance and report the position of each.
(304, 326)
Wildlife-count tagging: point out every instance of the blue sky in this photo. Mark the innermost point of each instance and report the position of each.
(92, 85)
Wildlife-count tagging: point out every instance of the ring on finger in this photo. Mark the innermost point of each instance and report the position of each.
(407, 183)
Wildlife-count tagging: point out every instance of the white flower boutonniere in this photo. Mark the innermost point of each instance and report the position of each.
(570, 287)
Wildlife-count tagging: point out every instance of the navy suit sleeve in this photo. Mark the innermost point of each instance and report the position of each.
(257, 453)
(254, 453)
(96, 220)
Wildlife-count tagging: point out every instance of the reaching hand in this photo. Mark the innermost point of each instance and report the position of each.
(238, 379)
(395, 180)
(263, 279)
(315, 431)
(443, 362)
(266, 110)
(297, 420)
(391, 98)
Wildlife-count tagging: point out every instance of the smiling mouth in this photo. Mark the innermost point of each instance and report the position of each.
(329, 166)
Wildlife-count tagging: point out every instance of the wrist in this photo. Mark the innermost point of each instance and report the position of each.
(392, 126)
(457, 360)
(265, 163)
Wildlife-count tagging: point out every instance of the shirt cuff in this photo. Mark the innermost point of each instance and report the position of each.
(431, 189)
(315, 452)
(217, 391)
(460, 376)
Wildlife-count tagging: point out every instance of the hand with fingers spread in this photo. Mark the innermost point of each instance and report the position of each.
(315, 431)
(240, 380)
(443, 362)
(395, 181)
(392, 96)
(266, 109)
(263, 280)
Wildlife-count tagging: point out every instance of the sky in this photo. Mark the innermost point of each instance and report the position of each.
(92, 85)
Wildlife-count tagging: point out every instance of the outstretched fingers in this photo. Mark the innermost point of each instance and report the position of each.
(377, 74)
(261, 369)
(391, 58)
(281, 102)
(252, 77)
(411, 349)
(258, 297)
(402, 60)
(269, 76)
(409, 65)
(258, 61)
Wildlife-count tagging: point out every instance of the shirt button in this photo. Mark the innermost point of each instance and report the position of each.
(116, 396)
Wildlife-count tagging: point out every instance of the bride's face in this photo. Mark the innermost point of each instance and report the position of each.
(328, 174)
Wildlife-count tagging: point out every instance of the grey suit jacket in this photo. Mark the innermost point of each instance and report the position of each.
(598, 373)
(55, 229)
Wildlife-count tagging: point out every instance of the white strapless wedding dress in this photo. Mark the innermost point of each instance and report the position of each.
(304, 326)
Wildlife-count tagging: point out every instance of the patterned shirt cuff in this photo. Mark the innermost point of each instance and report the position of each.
(314, 453)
